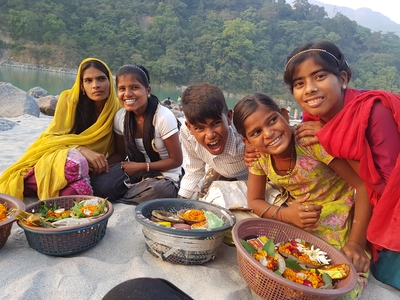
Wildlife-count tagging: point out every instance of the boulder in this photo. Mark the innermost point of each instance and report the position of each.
(48, 104)
(15, 102)
(37, 92)
(175, 105)
(6, 124)
(178, 114)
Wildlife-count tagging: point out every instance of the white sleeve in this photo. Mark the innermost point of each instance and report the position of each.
(194, 166)
(166, 122)
(119, 121)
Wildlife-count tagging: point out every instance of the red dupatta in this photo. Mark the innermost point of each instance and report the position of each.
(344, 137)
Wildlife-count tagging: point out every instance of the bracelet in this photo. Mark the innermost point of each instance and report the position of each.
(265, 210)
(356, 243)
(276, 210)
(147, 166)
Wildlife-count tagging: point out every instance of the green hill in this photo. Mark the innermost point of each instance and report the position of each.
(240, 46)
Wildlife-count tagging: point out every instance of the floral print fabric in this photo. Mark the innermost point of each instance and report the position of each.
(76, 173)
(311, 174)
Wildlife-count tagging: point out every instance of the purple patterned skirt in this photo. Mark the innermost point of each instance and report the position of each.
(76, 172)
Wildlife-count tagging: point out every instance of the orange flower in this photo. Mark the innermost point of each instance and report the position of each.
(288, 249)
(194, 215)
(65, 214)
(270, 262)
(304, 277)
(3, 212)
(88, 209)
(199, 224)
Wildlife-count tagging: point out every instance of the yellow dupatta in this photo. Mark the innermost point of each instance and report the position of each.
(49, 152)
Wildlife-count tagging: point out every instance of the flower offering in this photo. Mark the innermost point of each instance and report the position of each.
(3, 212)
(188, 219)
(53, 216)
(297, 261)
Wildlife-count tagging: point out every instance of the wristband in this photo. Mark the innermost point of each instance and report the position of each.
(276, 210)
(147, 166)
(265, 210)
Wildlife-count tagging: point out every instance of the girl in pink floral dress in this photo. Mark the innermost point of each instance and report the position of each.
(321, 187)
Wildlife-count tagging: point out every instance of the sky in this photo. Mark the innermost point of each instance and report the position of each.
(389, 8)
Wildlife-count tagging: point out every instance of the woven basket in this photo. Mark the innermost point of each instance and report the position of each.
(188, 247)
(269, 285)
(5, 226)
(61, 241)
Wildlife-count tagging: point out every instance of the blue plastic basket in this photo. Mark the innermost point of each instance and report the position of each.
(189, 247)
(62, 242)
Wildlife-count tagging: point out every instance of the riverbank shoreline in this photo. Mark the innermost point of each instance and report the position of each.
(61, 70)
(16, 64)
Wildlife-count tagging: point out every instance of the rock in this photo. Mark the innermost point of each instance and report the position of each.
(178, 114)
(6, 124)
(37, 92)
(175, 105)
(15, 102)
(48, 104)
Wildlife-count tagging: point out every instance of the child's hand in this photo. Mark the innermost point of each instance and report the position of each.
(130, 167)
(250, 155)
(356, 253)
(308, 129)
(302, 213)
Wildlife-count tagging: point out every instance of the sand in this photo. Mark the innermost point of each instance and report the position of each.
(121, 255)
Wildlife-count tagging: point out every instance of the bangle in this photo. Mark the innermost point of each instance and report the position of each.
(276, 210)
(147, 166)
(265, 210)
(356, 243)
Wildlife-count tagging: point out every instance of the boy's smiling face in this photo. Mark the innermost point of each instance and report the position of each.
(213, 134)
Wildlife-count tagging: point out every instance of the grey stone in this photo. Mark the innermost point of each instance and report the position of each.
(37, 92)
(178, 114)
(15, 102)
(48, 104)
(6, 124)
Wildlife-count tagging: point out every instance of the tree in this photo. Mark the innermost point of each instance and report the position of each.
(307, 11)
(55, 27)
(23, 24)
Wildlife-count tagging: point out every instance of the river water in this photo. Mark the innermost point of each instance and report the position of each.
(54, 83)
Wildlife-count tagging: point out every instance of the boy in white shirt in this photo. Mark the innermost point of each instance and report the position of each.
(209, 139)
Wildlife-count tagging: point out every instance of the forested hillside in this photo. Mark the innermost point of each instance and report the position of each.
(240, 45)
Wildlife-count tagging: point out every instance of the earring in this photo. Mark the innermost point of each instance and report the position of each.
(148, 96)
(344, 86)
(83, 93)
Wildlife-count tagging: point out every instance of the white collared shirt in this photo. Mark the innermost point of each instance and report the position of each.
(229, 164)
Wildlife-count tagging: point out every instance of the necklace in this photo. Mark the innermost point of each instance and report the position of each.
(290, 169)
(139, 120)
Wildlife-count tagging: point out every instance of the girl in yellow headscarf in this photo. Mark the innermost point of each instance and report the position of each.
(79, 137)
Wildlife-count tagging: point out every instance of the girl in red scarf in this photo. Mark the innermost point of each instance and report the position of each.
(360, 126)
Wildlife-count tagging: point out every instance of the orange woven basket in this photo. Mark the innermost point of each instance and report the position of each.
(5, 226)
(269, 285)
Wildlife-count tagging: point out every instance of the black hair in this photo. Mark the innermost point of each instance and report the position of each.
(247, 106)
(203, 101)
(142, 75)
(326, 59)
(85, 115)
